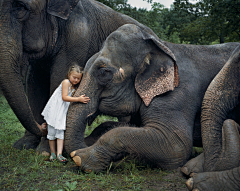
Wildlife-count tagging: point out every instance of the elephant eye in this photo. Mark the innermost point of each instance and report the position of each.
(104, 76)
(20, 10)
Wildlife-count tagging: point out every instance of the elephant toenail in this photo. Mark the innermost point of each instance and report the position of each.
(189, 183)
(185, 170)
(77, 160)
(192, 174)
(73, 154)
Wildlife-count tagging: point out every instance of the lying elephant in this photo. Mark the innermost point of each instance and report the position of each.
(136, 75)
(39, 39)
(218, 168)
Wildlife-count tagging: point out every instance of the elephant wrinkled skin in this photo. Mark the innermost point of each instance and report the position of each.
(158, 85)
(39, 40)
(218, 166)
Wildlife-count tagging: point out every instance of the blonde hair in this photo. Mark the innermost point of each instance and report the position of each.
(74, 68)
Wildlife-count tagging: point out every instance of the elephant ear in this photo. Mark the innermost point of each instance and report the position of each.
(61, 8)
(159, 71)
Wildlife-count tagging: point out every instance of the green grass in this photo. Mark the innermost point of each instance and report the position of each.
(25, 170)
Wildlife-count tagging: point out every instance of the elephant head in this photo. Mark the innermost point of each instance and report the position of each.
(28, 31)
(132, 68)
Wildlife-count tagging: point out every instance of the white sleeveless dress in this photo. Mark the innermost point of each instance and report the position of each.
(55, 111)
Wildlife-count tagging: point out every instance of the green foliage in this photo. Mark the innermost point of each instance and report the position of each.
(224, 16)
(99, 119)
(71, 186)
(202, 22)
(207, 21)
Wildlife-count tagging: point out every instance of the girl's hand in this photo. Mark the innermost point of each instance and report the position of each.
(83, 99)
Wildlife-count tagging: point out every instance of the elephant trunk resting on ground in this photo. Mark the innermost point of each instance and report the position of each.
(218, 167)
(39, 40)
(158, 85)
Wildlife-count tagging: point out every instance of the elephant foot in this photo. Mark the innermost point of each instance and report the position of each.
(202, 182)
(88, 161)
(219, 181)
(194, 166)
(43, 148)
(28, 141)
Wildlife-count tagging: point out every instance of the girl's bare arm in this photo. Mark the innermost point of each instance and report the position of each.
(66, 97)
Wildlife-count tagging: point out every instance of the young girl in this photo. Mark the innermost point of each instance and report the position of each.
(55, 111)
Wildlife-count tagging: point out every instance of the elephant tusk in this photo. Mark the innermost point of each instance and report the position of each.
(189, 183)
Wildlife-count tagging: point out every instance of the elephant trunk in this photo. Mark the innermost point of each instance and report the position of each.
(221, 97)
(78, 114)
(10, 77)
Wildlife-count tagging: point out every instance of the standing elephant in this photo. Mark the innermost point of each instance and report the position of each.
(136, 75)
(218, 166)
(39, 40)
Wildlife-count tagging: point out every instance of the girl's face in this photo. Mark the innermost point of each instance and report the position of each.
(75, 77)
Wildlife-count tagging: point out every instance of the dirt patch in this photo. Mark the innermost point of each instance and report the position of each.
(173, 181)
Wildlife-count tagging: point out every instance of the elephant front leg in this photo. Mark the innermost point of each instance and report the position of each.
(146, 143)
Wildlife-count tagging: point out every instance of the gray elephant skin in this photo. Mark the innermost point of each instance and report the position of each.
(39, 40)
(155, 86)
(218, 167)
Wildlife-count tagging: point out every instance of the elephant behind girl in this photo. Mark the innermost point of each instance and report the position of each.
(39, 40)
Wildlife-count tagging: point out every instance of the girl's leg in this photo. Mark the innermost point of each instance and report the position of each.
(52, 142)
(60, 141)
(59, 146)
(52, 146)
(59, 151)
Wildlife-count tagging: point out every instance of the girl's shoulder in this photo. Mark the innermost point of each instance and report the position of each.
(66, 82)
